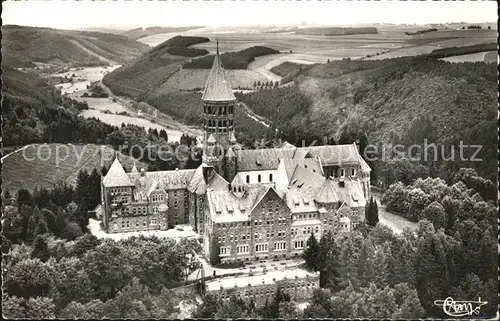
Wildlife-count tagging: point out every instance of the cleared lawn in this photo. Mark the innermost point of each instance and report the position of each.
(48, 164)
(118, 120)
(478, 56)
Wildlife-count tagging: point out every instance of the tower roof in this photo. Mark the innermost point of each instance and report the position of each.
(116, 176)
(218, 87)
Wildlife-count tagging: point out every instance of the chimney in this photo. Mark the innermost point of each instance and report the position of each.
(207, 172)
(143, 172)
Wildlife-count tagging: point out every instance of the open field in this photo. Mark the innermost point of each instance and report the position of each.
(190, 79)
(87, 75)
(390, 42)
(118, 120)
(489, 56)
(38, 165)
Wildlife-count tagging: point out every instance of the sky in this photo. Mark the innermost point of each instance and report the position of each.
(126, 14)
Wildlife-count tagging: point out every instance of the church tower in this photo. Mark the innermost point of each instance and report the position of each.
(218, 115)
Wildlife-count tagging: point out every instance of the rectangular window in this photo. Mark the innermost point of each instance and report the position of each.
(225, 251)
(262, 247)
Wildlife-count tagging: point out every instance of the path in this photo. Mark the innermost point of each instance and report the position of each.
(90, 52)
(395, 222)
(16, 151)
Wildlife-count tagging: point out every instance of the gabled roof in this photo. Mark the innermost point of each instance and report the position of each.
(327, 193)
(197, 184)
(331, 154)
(116, 176)
(232, 139)
(211, 139)
(217, 87)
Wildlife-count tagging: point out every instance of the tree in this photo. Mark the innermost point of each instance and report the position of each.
(40, 249)
(234, 308)
(24, 198)
(329, 256)
(311, 253)
(372, 212)
(408, 302)
(435, 213)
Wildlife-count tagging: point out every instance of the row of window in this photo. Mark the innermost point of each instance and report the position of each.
(260, 248)
(305, 230)
(298, 244)
(263, 247)
(126, 224)
(304, 216)
(279, 246)
(279, 221)
(120, 190)
(233, 225)
(157, 198)
(259, 178)
(342, 172)
(219, 123)
(243, 249)
(220, 110)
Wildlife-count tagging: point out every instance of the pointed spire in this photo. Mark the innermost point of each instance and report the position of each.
(217, 46)
(116, 175)
(218, 87)
(134, 169)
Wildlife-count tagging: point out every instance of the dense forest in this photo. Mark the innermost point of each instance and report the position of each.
(374, 273)
(52, 267)
(231, 60)
(394, 101)
(23, 46)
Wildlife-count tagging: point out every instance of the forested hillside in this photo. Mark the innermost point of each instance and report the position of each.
(142, 76)
(396, 101)
(22, 47)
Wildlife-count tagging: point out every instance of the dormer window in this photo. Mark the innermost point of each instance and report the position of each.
(353, 173)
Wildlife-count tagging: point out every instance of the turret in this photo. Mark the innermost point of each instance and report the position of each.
(218, 113)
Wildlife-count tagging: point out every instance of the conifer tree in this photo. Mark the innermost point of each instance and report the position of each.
(372, 212)
(311, 253)
(40, 249)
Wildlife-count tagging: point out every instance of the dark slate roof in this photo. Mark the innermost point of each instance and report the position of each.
(261, 159)
(331, 154)
(218, 87)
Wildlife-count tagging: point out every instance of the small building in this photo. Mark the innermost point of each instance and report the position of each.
(298, 283)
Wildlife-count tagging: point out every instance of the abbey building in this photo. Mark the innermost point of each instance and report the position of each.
(245, 204)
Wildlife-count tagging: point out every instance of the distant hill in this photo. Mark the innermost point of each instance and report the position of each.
(335, 31)
(41, 167)
(24, 46)
(138, 33)
(392, 101)
(140, 77)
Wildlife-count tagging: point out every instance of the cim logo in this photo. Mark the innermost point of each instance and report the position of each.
(461, 308)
